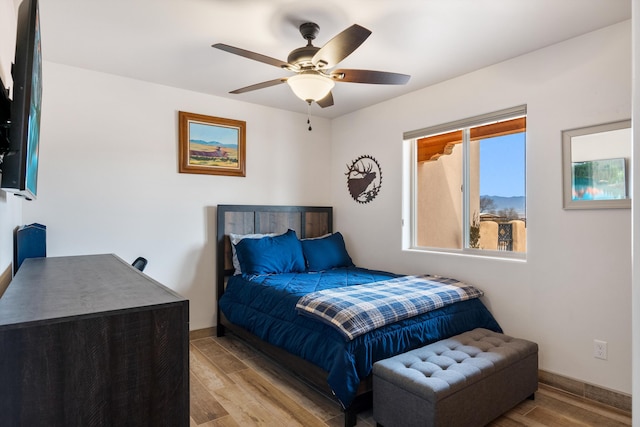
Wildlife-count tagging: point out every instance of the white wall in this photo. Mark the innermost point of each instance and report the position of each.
(575, 285)
(635, 209)
(10, 206)
(109, 181)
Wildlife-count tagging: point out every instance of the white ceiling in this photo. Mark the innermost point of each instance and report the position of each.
(169, 41)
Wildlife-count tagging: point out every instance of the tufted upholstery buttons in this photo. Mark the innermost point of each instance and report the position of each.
(466, 380)
(451, 364)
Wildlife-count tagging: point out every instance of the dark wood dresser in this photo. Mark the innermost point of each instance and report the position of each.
(91, 341)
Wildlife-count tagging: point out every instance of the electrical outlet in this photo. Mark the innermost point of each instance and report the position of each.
(600, 349)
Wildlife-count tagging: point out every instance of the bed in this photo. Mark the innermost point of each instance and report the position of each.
(264, 309)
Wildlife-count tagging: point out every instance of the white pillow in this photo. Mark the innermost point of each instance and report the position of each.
(235, 238)
(316, 238)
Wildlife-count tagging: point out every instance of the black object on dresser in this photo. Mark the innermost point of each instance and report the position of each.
(91, 341)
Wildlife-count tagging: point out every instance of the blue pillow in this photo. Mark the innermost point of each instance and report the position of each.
(326, 253)
(277, 254)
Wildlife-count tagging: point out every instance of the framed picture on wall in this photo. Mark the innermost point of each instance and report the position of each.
(596, 165)
(599, 180)
(211, 145)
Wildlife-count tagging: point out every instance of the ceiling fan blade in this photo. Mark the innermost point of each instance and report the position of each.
(260, 85)
(327, 101)
(369, 76)
(255, 56)
(341, 46)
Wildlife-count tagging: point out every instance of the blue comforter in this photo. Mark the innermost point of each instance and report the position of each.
(266, 307)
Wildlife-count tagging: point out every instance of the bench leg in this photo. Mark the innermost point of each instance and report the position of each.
(532, 397)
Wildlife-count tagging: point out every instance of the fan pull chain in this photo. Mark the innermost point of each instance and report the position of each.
(308, 115)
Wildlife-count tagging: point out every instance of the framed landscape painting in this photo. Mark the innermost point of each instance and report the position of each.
(211, 145)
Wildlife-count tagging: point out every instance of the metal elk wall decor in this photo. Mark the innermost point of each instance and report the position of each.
(364, 179)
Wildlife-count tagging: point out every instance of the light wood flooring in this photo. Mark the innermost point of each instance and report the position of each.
(233, 385)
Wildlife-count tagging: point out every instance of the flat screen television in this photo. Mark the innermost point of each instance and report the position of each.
(20, 162)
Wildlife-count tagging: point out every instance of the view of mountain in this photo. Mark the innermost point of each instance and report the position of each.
(213, 143)
(515, 202)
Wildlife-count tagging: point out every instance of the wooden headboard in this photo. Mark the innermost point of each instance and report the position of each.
(306, 221)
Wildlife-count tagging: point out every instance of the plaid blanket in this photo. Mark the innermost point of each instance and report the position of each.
(354, 310)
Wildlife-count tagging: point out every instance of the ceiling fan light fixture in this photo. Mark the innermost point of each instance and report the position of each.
(310, 87)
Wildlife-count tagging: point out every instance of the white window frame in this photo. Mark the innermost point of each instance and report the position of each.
(410, 185)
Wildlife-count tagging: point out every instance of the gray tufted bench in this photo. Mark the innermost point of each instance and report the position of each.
(466, 380)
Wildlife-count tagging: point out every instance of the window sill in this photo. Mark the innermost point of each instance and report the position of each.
(475, 253)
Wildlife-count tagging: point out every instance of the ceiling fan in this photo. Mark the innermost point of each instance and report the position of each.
(315, 76)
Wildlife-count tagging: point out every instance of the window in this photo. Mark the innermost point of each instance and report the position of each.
(465, 185)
